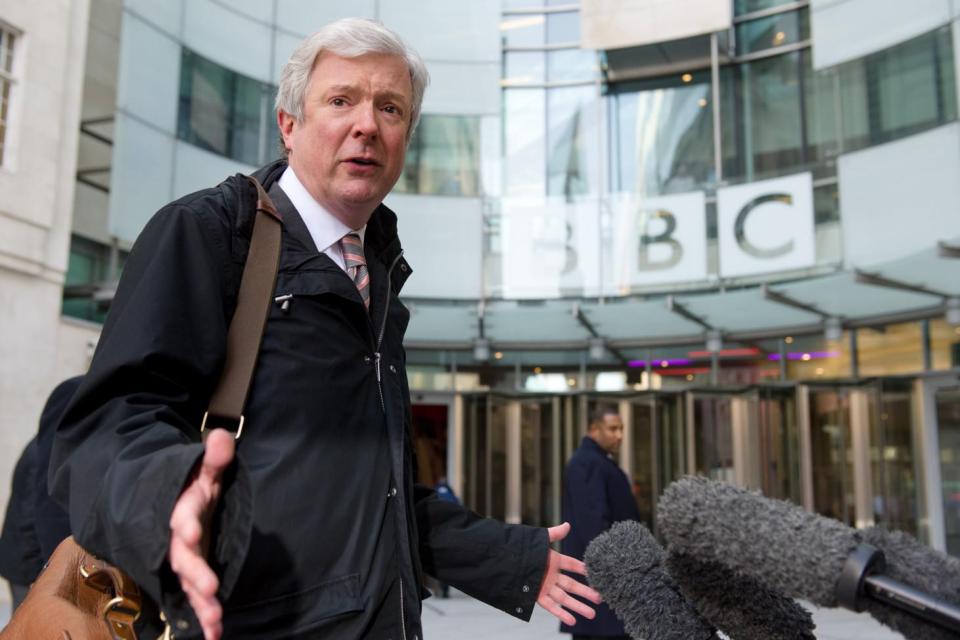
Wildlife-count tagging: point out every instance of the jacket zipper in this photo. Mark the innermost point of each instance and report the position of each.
(383, 329)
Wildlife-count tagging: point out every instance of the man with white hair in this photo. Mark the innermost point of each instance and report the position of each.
(315, 526)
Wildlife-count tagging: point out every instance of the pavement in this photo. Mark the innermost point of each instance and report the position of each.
(460, 617)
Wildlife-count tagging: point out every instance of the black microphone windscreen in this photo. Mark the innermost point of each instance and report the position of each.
(910, 561)
(739, 605)
(625, 565)
(798, 553)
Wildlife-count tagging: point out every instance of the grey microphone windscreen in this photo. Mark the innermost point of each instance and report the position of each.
(910, 561)
(740, 606)
(788, 549)
(625, 565)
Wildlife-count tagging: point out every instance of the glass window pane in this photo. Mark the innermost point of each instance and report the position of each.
(524, 142)
(572, 141)
(749, 6)
(773, 31)
(820, 109)
(571, 64)
(664, 137)
(525, 67)
(245, 132)
(443, 158)
(523, 31)
(563, 27)
(206, 94)
(6, 50)
(892, 458)
(906, 87)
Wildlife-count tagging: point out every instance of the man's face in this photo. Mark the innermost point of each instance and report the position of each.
(608, 434)
(348, 151)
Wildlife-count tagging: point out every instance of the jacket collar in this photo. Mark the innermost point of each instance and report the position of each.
(590, 444)
(380, 241)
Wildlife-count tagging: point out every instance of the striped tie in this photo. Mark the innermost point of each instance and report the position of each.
(352, 250)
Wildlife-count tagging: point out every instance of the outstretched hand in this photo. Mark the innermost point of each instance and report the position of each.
(556, 588)
(188, 524)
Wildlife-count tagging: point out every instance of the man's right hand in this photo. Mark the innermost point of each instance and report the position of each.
(188, 525)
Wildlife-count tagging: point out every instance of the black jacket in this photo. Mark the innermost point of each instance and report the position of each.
(34, 525)
(596, 494)
(320, 518)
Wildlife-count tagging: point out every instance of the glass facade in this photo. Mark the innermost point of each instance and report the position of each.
(443, 157)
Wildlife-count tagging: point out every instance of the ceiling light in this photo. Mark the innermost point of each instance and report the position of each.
(686, 77)
(481, 349)
(788, 339)
(953, 311)
(819, 371)
(779, 37)
(690, 377)
(498, 355)
(805, 357)
(833, 328)
(714, 341)
(571, 382)
(597, 348)
(664, 364)
(537, 370)
(702, 102)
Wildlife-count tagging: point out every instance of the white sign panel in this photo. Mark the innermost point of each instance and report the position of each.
(766, 226)
(659, 240)
(549, 251)
(611, 24)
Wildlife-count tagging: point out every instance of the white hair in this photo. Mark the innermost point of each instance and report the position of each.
(348, 38)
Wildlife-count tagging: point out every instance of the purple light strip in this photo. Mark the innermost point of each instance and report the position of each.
(671, 362)
(798, 355)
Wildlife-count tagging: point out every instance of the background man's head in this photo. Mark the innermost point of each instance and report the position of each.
(606, 428)
(348, 102)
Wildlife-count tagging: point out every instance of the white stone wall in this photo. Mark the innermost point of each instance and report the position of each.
(36, 201)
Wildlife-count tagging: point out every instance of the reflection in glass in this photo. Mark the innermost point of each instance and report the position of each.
(832, 455)
(779, 445)
(572, 141)
(443, 157)
(524, 147)
(749, 6)
(948, 421)
(671, 440)
(662, 137)
(522, 31)
(713, 438)
(524, 67)
(563, 28)
(569, 65)
(891, 457)
(773, 31)
(475, 448)
(497, 470)
(222, 111)
(642, 462)
(899, 91)
(539, 481)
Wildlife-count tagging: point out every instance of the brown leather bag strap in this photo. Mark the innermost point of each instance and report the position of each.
(246, 329)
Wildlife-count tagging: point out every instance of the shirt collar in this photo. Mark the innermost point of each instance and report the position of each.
(324, 227)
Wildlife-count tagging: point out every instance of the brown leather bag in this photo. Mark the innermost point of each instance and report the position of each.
(81, 597)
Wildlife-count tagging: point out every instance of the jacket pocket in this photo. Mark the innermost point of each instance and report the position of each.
(282, 616)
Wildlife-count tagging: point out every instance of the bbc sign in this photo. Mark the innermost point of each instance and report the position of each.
(567, 248)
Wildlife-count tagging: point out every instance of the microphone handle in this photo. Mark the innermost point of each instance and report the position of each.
(907, 598)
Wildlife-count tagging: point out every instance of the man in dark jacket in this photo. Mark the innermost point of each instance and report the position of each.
(596, 494)
(316, 528)
(34, 525)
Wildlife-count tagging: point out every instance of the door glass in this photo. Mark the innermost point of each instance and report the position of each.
(713, 437)
(948, 419)
(497, 465)
(779, 448)
(891, 458)
(832, 454)
(671, 440)
(475, 453)
(641, 482)
(538, 463)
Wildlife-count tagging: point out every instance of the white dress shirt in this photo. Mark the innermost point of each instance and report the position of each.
(325, 228)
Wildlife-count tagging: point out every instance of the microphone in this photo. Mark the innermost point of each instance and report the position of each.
(801, 554)
(908, 560)
(625, 564)
(737, 604)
